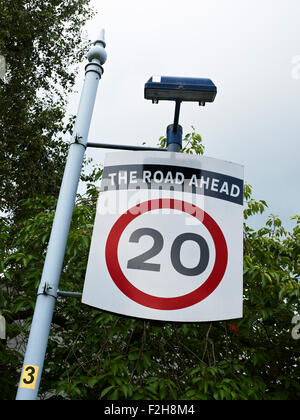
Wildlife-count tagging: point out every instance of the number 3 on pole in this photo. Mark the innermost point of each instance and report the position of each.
(29, 376)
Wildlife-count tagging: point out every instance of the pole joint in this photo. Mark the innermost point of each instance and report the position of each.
(77, 140)
(47, 289)
(94, 67)
(174, 138)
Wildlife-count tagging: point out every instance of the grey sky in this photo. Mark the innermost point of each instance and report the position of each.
(249, 48)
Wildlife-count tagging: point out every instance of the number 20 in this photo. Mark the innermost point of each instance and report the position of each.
(139, 262)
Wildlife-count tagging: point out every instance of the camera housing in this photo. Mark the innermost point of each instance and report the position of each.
(182, 89)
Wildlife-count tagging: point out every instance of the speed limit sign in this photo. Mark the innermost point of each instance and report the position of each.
(167, 241)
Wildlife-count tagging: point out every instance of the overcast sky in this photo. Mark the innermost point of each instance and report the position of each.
(249, 48)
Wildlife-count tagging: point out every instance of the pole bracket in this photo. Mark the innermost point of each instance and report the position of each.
(47, 289)
(77, 140)
(62, 293)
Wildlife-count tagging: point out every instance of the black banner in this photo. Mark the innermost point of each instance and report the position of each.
(173, 178)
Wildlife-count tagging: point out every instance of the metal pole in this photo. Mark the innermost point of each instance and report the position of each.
(125, 147)
(47, 292)
(62, 293)
(176, 116)
(174, 132)
(174, 139)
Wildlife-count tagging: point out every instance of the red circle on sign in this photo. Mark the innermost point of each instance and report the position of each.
(155, 302)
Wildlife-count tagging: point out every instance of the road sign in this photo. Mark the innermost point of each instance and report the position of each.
(167, 241)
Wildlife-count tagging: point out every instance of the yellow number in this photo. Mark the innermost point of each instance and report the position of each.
(29, 376)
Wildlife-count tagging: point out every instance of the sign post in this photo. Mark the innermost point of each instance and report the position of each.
(47, 292)
(167, 242)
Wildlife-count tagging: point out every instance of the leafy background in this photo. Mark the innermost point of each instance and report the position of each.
(92, 354)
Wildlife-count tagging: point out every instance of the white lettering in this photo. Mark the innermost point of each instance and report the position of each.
(116, 410)
(169, 177)
(193, 181)
(296, 329)
(133, 177)
(179, 179)
(204, 182)
(112, 176)
(158, 177)
(123, 178)
(224, 188)
(214, 184)
(235, 191)
(147, 176)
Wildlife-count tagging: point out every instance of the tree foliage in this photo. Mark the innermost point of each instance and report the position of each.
(41, 41)
(96, 355)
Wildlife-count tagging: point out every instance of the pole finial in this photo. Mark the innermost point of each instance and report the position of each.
(98, 49)
(101, 38)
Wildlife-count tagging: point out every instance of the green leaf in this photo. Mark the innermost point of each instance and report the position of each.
(106, 391)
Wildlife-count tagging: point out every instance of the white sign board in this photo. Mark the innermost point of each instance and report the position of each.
(167, 242)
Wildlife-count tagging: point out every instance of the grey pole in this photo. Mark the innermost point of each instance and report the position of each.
(174, 138)
(174, 132)
(48, 289)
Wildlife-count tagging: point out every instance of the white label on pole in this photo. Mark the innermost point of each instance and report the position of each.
(167, 242)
